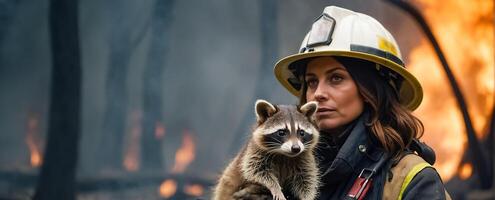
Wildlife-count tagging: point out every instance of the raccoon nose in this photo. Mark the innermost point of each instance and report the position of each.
(295, 148)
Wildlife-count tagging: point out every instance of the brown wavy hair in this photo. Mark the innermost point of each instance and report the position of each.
(391, 123)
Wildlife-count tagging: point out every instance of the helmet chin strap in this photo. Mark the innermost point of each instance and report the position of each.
(391, 77)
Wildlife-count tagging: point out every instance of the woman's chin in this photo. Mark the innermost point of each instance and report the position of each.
(328, 124)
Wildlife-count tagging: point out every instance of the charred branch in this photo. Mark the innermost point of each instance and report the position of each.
(19, 179)
(126, 182)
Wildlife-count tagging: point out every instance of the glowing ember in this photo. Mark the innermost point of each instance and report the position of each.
(466, 37)
(36, 159)
(131, 158)
(185, 154)
(466, 171)
(194, 190)
(32, 131)
(159, 130)
(168, 188)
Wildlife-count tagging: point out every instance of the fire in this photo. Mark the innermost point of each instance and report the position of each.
(159, 130)
(185, 154)
(168, 188)
(464, 30)
(466, 171)
(36, 159)
(32, 131)
(194, 190)
(183, 157)
(131, 158)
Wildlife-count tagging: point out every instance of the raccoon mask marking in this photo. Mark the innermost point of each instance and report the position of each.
(285, 129)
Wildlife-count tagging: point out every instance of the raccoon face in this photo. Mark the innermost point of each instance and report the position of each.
(286, 130)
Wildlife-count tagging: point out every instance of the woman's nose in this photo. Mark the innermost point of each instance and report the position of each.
(320, 94)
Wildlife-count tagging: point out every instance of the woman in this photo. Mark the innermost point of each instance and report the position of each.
(351, 65)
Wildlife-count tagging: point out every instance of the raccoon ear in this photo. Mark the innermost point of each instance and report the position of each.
(309, 109)
(264, 109)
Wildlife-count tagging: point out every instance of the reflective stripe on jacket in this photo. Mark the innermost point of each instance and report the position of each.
(403, 175)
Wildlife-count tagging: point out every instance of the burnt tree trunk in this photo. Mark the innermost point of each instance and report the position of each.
(490, 143)
(116, 99)
(269, 53)
(152, 124)
(57, 176)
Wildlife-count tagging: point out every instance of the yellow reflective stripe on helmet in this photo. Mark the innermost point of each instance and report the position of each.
(415, 170)
(386, 45)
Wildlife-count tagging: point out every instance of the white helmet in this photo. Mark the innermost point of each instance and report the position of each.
(345, 33)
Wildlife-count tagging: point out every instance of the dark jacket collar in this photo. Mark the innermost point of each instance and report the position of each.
(357, 152)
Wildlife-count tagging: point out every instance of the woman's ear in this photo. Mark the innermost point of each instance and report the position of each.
(264, 109)
(309, 109)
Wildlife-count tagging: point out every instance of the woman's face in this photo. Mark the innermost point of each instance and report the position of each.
(330, 84)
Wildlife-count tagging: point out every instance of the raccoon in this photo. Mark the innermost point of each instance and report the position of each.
(278, 155)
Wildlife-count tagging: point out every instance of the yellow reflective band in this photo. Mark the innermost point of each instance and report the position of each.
(386, 45)
(415, 170)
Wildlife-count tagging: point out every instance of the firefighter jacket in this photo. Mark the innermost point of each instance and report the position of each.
(343, 157)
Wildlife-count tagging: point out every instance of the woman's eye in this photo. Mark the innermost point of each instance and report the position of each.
(312, 83)
(281, 133)
(336, 78)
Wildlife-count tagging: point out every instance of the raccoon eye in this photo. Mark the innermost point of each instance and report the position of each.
(281, 133)
(301, 133)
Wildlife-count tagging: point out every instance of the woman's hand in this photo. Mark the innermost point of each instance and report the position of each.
(252, 191)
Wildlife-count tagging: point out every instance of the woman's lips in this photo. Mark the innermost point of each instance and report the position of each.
(324, 111)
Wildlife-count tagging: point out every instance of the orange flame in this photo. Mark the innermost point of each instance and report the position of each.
(466, 171)
(131, 158)
(194, 190)
(36, 158)
(464, 30)
(168, 188)
(159, 130)
(185, 154)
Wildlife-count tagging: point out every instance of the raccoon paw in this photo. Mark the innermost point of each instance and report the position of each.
(253, 192)
(278, 195)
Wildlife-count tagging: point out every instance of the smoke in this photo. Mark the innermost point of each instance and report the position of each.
(211, 66)
(24, 75)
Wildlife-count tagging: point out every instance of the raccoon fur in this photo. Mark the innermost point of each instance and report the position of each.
(278, 155)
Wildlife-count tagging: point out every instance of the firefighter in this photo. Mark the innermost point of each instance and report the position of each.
(351, 65)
